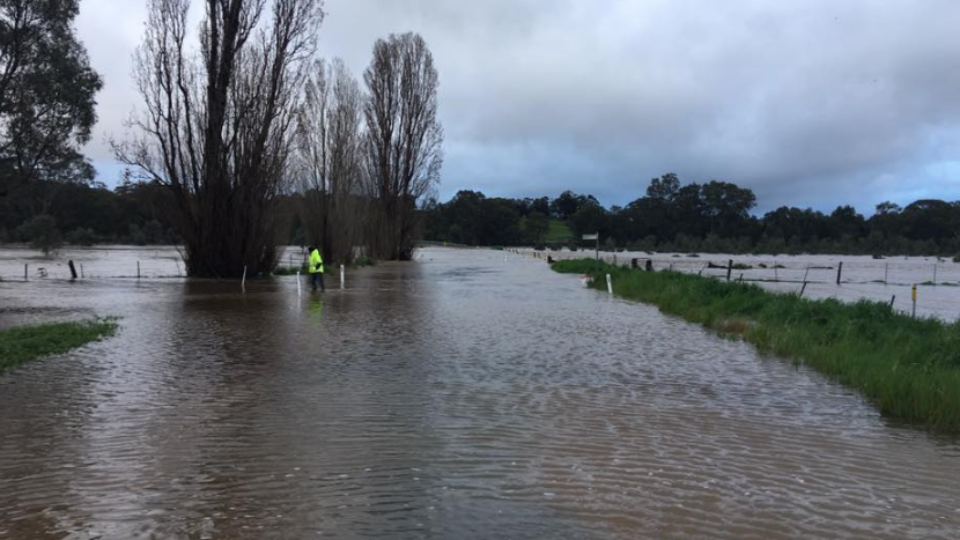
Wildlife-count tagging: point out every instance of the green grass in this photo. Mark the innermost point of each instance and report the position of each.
(25, 343)
(558, 233)
(908, 368)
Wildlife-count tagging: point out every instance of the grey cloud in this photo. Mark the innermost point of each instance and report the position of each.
(808, 103)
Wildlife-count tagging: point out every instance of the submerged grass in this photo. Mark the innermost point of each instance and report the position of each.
(25, 343)
(909, 368)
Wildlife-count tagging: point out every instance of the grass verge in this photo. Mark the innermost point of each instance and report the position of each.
(908, 368)
(25, 343)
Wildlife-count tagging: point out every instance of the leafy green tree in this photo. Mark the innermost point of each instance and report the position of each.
(136, 236)
(42, 233)
(82, 237)
(589, 219)
(567, 204)
(664, 188)
(500, 224)
(153, 232)
(536, 225)
(47, 93)
(727, 207)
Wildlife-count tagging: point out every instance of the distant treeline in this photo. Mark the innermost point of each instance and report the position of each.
(84, 214)
(711, 217)
(137, 213)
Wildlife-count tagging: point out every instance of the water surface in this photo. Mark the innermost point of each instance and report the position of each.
(461, 396)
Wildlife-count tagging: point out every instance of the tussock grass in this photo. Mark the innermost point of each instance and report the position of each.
(25, 343)
(908, 368)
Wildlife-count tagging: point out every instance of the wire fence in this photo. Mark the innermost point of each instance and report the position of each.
(112, 262)
(845, 278)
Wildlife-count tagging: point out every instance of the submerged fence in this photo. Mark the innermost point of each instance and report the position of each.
(926, 286)
(107, 263)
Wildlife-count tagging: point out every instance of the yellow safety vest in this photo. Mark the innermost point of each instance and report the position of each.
(316, 262)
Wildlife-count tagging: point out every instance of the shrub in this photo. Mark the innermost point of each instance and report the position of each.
(136, 235)
(42, 233)
(153, 232)
(82, 237)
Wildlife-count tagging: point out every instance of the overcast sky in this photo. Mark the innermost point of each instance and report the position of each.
(807, 102)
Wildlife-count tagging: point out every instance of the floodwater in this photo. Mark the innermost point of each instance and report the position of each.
(862, 277)
(461, 396)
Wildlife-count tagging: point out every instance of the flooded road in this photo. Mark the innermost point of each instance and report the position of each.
(462, 396)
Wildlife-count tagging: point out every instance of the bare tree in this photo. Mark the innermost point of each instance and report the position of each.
(328, 138)
(403, 146)
(218, 126)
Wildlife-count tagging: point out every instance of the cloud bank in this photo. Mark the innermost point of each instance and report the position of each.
(811, 103)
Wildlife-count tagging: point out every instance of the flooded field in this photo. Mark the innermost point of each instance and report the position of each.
(862, 277)
(466, 395)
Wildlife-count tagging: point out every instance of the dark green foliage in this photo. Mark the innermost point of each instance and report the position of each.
(82, 237)
(18, 345)
(909, 368)
(470, 218)
(714, 217)
(47, 91)
(590, 219)
(536, 225)
(132, 213)
(42, 233)
(136, 236)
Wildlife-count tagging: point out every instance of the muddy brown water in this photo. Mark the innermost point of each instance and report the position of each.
(457, 397)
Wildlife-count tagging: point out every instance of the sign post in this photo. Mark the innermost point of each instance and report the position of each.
(596, 237)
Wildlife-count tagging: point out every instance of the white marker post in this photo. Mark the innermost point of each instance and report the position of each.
(243, 281)
(609, 285)
(299, 292)
(342, 284)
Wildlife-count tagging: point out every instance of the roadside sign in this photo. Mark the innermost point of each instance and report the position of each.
(591, 237)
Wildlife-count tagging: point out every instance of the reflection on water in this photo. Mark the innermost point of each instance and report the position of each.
(458, 397)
